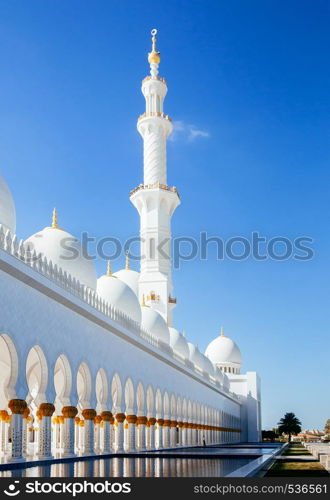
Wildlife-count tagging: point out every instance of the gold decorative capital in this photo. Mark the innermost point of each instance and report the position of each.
(106, 416)
(142, 421)
(17, 406)
(131, 419)
(89, 414)
(120, 417)
(46, 409)
(69, 411)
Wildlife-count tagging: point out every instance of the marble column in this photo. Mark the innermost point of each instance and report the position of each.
(151, 443)
(69, 414)
(131, 435)
(173, 432)
(17, 407)
(76, 434)
(166, 433)
(184, 434)
(120, 418)
(3, 417)
(142, 422)
(81, 441)
(105, 445)
(180, 425)
(26, 418)
(97, 433)
(160, 423)
(89, 415)
(46, 411)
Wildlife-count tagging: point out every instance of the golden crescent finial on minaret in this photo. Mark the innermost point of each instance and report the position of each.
(154, 56)
(109, 268)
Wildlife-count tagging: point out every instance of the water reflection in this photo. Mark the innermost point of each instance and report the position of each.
(135, 467)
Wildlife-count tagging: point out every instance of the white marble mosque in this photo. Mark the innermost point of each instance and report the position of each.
(95, 365)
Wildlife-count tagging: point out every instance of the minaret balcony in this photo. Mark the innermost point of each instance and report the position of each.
(160, 79)
(156, 185)
(154, 113)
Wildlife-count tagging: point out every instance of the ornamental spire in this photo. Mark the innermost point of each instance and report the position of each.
(109, 269)
(154, 56)
(54, 219)
(222, 332)
(127, 265)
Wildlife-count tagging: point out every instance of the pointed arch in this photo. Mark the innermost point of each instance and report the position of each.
(150, 402)
(84, 386)
(62, 382)
(101, 389)
(37, 375)
(8, 369)
(140, 399)
(129, 396)
(116, 394)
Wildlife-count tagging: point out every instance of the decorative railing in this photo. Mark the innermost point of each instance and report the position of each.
(154, 113)
(159, 78)
(171, 300)
(155, 185)
(51, 271)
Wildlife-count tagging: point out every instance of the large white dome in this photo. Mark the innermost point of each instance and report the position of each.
(130, 277)
(7, 207)
(66, 252)
(155, 324)
(120, 295)
(178, 343)
(223, 351)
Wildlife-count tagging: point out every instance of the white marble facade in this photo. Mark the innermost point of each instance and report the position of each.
(93, 365)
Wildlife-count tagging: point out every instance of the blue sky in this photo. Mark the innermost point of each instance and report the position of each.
(249, 92)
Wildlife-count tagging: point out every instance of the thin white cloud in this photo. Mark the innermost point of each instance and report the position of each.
(187, 132)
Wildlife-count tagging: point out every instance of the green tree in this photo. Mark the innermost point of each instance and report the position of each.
(327, 428)
(289, 424)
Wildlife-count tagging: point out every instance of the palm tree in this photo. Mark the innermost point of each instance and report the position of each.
(289, 424)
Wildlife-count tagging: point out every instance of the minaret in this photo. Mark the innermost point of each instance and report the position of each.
(154, 199)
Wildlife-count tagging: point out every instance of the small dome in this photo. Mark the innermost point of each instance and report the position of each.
(121, 296)
(209, 368)
(7, 207)
(223, 352)
(154, 323)
(130, 277)
(65, 251)
(219, 375)
(178, 343)
(226, 382)
(196, 357)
